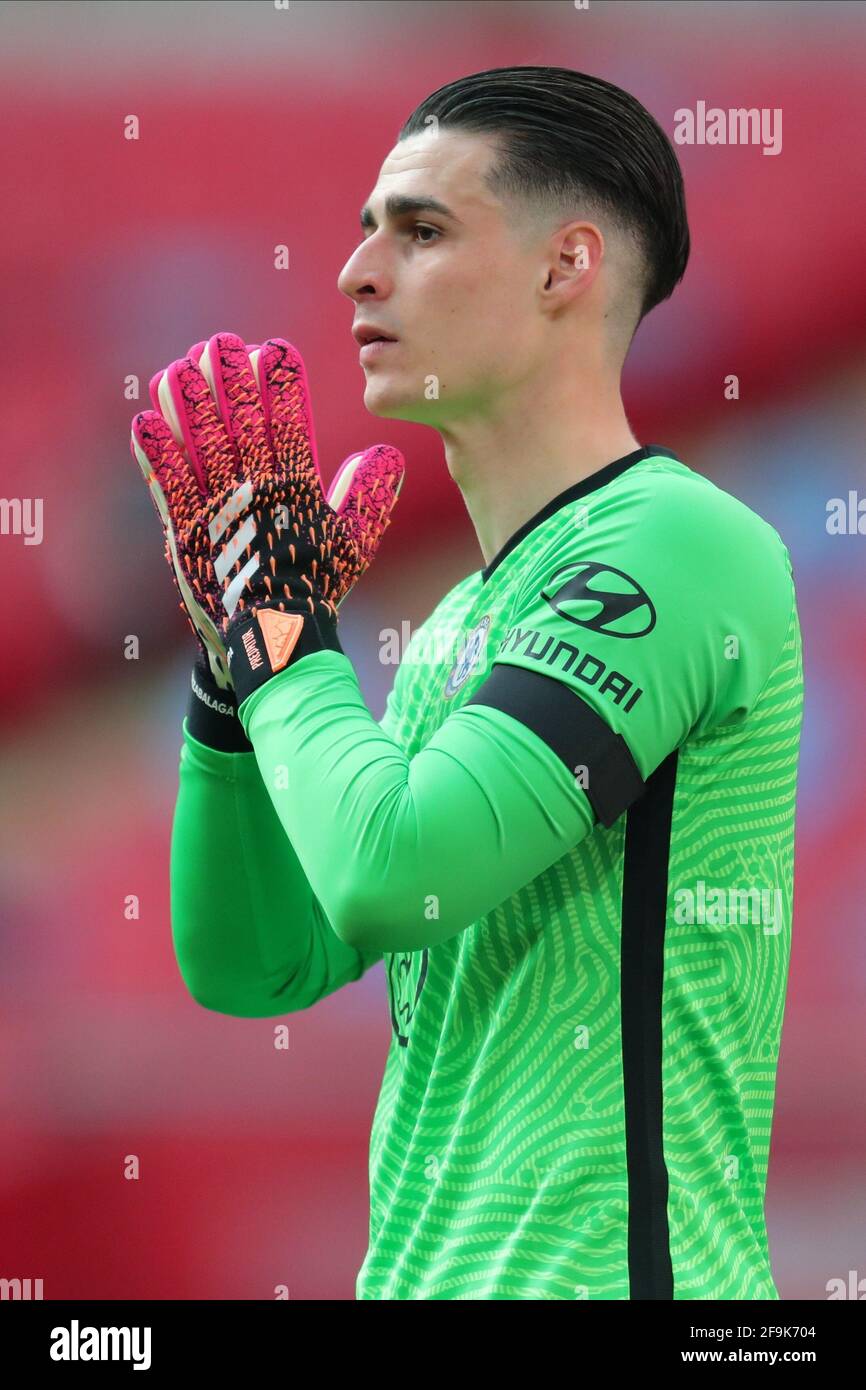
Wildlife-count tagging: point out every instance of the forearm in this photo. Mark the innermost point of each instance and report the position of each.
(249, 936)
(404, 853)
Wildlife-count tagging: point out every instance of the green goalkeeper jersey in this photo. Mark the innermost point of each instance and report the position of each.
(571, 842)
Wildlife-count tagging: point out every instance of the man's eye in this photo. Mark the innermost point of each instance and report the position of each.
(423, 227)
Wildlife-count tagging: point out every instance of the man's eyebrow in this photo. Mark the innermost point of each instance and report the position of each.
(399, 204)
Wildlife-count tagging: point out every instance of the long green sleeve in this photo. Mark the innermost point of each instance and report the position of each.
(406, 852)
(250, 936)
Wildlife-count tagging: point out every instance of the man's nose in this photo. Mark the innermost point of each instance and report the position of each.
(363, 276)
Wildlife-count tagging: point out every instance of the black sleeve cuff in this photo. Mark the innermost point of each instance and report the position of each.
(572, 729)
(212, 714)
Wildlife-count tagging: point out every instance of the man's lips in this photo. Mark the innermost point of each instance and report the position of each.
(364, 333)
(376, 347)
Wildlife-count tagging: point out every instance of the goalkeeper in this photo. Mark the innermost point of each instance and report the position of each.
(571, 838)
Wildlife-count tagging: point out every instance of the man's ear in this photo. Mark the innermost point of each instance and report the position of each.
(576, 252)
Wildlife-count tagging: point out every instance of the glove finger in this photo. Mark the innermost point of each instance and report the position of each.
(195, 353)
(186, 402)
(201, 625)
(177, 498)
(226, 365)
(173, 487)
(342, 479)
(153, 387)
(254, 352)
(363, 495)
(289, 414)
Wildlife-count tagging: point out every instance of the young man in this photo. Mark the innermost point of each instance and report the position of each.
(571, 836)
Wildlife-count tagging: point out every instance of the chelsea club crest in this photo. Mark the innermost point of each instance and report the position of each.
(471, 652)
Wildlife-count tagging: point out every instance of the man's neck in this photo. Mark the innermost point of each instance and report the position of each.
(508, 468)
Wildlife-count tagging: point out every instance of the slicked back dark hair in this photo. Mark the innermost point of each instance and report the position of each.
(576, 142)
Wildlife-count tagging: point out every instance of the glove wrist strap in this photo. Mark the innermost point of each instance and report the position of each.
(212, 713)
(267, 640)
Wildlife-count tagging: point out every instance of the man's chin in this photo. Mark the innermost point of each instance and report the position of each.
(388, 402)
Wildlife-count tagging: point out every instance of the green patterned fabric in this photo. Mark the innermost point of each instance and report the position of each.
(499, 1163)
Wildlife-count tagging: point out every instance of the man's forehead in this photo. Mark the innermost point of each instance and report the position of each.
(445, 163)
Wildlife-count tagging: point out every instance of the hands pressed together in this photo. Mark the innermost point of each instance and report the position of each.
(262, 557)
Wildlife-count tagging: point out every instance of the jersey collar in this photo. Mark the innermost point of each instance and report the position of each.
(595, 480)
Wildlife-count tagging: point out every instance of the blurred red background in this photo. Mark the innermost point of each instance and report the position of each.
(261, 127)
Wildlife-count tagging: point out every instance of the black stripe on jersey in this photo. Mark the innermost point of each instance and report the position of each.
(644, 906)
(574, 731)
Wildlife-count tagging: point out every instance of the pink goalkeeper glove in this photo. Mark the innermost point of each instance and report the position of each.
(261, 556)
